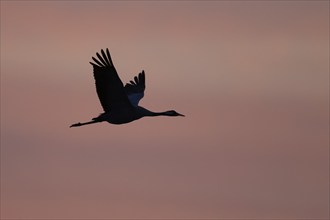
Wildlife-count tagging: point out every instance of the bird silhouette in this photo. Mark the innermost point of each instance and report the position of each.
(119, 102)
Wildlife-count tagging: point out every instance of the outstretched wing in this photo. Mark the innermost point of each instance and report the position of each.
(109, 87)
(135, 89)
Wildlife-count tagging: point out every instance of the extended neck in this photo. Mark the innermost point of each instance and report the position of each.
(145, 112)
(166, 113)
(159, 114)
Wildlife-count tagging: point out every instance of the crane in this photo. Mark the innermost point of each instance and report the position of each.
(119, 102)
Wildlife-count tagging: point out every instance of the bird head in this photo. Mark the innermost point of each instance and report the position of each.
(173, 113)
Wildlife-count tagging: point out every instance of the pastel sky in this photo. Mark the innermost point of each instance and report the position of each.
(252, 78)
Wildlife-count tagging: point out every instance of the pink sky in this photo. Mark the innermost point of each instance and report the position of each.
(252, 78)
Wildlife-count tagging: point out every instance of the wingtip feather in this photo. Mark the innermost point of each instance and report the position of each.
(105, 58)
(101, 59)
(98, 62)
(109, 57)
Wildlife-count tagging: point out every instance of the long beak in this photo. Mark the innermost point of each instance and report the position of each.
(181, 115)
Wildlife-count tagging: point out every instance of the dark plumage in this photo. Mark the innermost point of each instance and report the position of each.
(119, 102)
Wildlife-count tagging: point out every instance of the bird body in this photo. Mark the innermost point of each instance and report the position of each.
(119, 102)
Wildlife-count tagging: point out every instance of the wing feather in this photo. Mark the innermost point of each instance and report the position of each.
(105, 58)
(109, 87)
(96, 61)
(135, 89)
(109, 57)
(101, 59)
